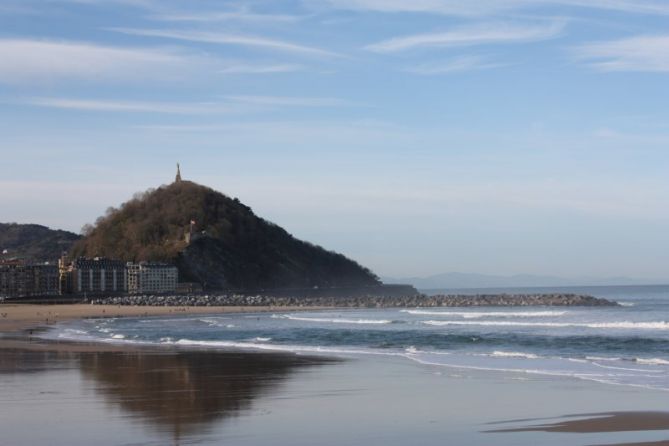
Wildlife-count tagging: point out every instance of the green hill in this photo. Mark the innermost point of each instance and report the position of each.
(231, 247)
(34, 242)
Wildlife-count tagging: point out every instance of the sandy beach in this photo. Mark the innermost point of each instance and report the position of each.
(78, 393)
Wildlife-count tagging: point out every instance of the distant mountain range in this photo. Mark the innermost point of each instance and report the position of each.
(471, 280)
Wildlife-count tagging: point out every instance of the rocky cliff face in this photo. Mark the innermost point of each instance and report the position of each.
(34, 242)
(226, 247)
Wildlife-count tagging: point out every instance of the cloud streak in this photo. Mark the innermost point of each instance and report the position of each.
(247, 68)
(227, 16)
(485, 34)
(131, 106)
(455, 65)
(231, 104)
(490, 7)
(25, 60)
(286, 101)
(230, 39)
(639, 53)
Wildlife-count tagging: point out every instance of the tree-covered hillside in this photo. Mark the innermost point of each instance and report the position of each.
(231, 247)
(34, 242)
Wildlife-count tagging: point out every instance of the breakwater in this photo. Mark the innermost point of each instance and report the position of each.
(420, 300)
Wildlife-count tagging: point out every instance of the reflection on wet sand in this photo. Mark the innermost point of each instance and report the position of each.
(183, 392)
(178, 393)
(35, 361)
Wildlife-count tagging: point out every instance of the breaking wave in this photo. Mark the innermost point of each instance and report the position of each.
(482, 314)
(661, 325)
(338, 320)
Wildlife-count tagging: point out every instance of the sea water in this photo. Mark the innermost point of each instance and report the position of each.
(626, 345)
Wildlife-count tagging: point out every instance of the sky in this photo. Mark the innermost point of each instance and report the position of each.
(415, 136)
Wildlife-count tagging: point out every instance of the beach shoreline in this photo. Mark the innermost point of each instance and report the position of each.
(640, 423)
(17, 318)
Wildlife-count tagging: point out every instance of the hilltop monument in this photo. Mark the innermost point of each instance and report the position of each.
(178, 177)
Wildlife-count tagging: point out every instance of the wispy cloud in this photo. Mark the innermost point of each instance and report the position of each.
(490, 7)
(446, 7)
(287, 101)
(131, 106)
(230, 39)
(631, 6)
(228, 104)
(242, 15)
(147, 4)
(454, 65)
(640, 53)
(485, 34)
(24, 60)
(289, 133)
(246, 68)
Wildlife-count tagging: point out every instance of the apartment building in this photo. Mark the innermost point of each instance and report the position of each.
(97, 275)
(28, 280)
(149, 277)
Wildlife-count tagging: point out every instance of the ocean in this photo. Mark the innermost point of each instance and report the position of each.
(624, 346)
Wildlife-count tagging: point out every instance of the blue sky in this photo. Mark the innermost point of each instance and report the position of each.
(418, 137)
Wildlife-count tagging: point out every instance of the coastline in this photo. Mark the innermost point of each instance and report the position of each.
(15, 318)
(637, 417)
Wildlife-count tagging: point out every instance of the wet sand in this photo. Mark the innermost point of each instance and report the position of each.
(174, 396)
(601, 422)
(62, 393)
(651, 443)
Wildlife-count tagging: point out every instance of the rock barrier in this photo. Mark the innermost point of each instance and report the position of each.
(420, 300)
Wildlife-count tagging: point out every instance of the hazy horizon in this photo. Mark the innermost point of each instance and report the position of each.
(501, 137)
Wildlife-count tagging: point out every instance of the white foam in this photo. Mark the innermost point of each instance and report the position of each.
(652, 361)
(212, 321)
(627, 304)
(501, 354)
(430, 358)
(280, 348)
(426, 361)
(337, 320)
(156, 319)
(605, 378)
(72, 331)
(602, 358)
(628, 369)
(482, 314)
(662, 325)
(500, 361)
(81, 335)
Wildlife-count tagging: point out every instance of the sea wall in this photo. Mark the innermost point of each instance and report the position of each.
(420, 300)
